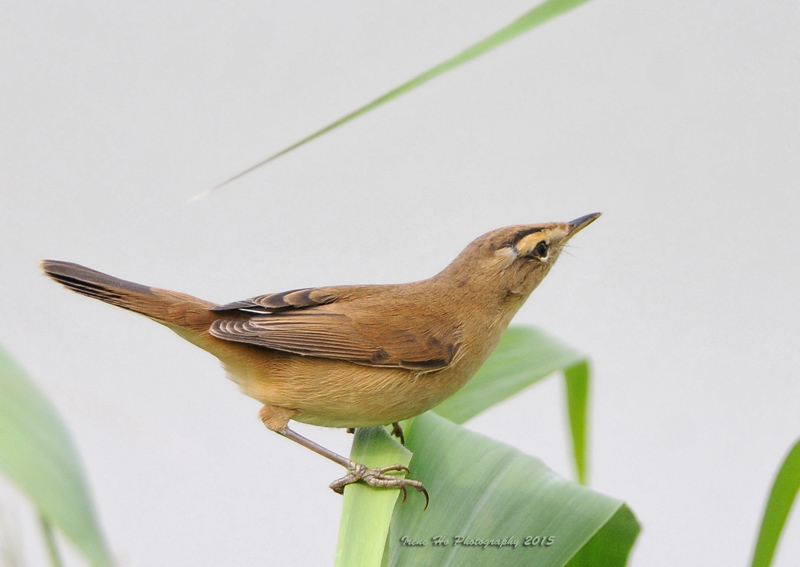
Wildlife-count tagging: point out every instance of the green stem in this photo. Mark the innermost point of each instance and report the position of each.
(50, 542)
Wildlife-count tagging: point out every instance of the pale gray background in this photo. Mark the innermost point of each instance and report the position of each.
(678, 120)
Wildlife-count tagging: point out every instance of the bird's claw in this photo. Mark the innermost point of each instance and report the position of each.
(378, 477)
(397, 431)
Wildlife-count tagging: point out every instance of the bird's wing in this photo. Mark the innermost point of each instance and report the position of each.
(309, 322)
(286, 300)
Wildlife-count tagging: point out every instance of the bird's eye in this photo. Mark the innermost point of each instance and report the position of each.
(541, 249)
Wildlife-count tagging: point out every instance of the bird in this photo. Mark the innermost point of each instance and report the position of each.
(353, 356)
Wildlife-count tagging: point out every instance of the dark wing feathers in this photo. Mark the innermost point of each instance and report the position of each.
(304, 322)
(323, 334)
(292, 299)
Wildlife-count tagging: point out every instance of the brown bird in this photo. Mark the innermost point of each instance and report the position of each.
(360, 355)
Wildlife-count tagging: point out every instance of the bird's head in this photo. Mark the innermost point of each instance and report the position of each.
(513, 260)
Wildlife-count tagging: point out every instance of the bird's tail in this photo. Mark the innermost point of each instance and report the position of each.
(168, 307)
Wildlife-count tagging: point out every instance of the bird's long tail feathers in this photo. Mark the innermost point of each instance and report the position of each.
(164, 306)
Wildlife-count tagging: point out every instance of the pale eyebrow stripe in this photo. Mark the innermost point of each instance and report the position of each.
(520, 235)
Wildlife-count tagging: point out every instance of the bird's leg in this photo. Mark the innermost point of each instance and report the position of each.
(277, 418)
(397, 431)
(357, 471)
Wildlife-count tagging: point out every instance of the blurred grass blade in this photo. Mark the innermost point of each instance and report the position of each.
(50, 542)
(483, 490)
(531, 19)
(37, 453)
(781, 498)
(367, 511)
(577, 385)
(524, 356)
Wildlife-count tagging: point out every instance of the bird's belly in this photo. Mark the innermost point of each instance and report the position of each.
(342, 394)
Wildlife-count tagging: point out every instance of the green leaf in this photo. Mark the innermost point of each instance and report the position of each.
(781, 498)
(50, 542)
(37, 453)
(531, 19)
(483, 490)
(577, 383)
(524, 356)
(612, 544)
(366, 511)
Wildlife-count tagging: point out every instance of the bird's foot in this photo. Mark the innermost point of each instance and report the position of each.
(397, 431)
(378, 477)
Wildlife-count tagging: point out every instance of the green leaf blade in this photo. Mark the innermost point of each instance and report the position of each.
(577, 385)
(37, 453)
(367, 511)
(50, 542)
(528, 21)
(779, 504)
(612, 544)
(484, 490)
(524, 356)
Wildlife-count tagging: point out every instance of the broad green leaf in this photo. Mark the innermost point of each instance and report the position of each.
(612, 544)
(781, 498)
(366, 511)
(483, 490)
(531, 19)
(37, 453)
(524, 356)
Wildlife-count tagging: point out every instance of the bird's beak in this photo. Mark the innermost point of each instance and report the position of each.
(579, 224)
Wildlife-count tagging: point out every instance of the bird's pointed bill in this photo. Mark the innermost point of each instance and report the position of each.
(580, 223)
